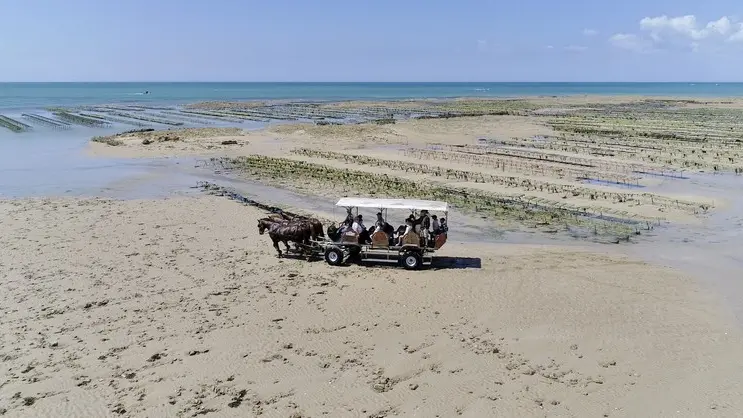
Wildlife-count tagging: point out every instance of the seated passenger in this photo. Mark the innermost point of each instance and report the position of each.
(408, 228)
(410, 218)
(444, 227)
(380, 224)
(401, 229)
(346, 224)
(359, 228)
(358, 225)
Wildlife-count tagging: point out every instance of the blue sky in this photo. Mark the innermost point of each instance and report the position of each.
(382, 40)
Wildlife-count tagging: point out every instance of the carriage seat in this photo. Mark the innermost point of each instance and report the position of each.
(380, 239)
(411, 238)
(439, 241)
(350, 237)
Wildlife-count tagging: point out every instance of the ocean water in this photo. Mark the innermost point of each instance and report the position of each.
(44, 161)
(15, 96)
(55, 164)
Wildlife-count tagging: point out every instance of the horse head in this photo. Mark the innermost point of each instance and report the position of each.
(262, 226)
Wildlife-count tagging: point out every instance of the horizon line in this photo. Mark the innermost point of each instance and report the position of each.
(375, 82)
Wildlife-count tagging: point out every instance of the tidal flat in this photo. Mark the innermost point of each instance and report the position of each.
(600, 235)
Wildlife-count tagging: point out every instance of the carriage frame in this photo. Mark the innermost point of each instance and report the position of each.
(412, 254)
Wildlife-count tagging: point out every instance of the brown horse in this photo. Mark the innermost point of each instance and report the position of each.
(317, 228)
(298, 232)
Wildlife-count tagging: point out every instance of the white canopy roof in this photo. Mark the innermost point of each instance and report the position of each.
(409, 204)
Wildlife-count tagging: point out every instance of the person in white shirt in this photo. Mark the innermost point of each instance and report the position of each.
(435, 224)
(358, 225)
(408, 229)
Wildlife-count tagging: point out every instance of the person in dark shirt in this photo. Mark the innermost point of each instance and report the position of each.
(425, 226)
(346, 224)
(435, 226)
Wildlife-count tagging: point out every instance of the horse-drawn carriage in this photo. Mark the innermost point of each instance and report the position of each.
(410, 249)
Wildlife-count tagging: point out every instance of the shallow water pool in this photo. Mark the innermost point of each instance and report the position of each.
(54, 164)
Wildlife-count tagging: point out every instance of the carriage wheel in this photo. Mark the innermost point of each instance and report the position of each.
(411, 261)
(334, 256)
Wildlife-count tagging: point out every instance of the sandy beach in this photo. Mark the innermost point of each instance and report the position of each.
(178, 307)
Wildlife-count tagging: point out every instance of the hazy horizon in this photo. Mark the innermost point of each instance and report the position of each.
(365, 82)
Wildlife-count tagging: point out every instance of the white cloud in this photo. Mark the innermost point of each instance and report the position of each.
(576, 48)
(680, 31)
(590, 32)
(482, 45)
(721, 26)
(685, 26)
(549, 47)
(737, 36)
(631, 42)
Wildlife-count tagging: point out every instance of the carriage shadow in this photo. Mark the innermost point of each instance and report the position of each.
(456, 263)
(439, 263)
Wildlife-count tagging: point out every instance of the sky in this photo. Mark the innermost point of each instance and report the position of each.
(381, 40)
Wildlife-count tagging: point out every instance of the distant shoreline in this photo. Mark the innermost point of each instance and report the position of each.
(39, 95)
(380, 82)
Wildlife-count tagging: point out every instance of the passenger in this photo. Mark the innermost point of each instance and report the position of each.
(435, 224)
(358, 225)
(425, 222)
(416, 223)
(444, 226)
(345, 226)
(408, 228)
(359, 228)
(379, 225)
(349, 219)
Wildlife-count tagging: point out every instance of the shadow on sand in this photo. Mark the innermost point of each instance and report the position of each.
(456, 263)
(439, 263)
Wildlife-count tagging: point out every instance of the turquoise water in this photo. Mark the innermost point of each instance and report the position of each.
(17, 96)
(44, 161)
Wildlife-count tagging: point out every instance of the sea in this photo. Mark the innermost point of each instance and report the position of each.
(53, 162)
(38, 95)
